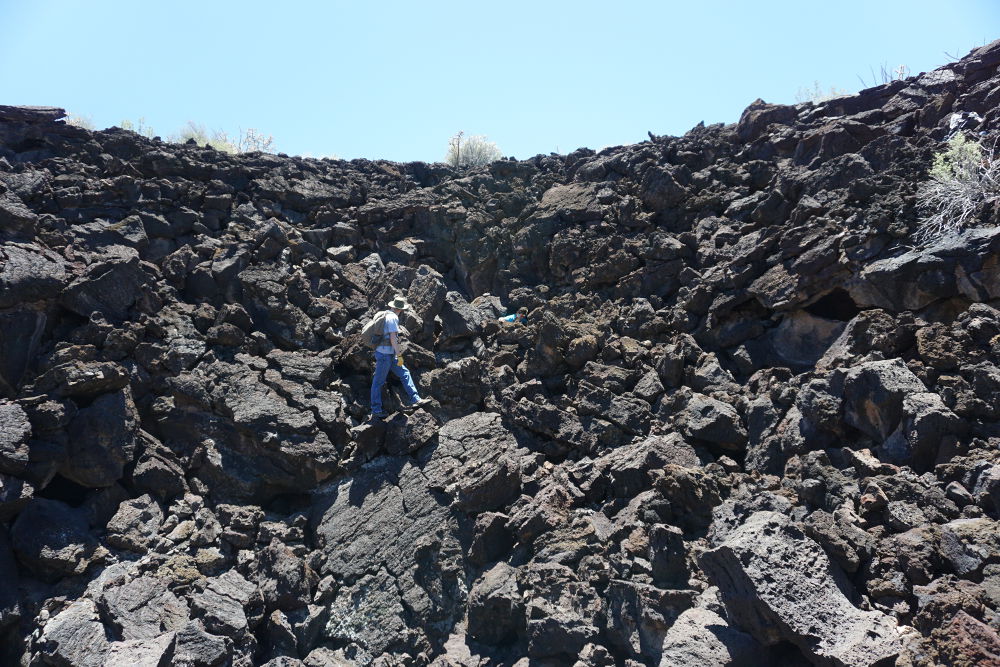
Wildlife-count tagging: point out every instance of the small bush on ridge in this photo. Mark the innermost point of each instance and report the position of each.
(474, 151)
(964, 177)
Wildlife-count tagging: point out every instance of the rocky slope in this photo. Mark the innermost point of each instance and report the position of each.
(748, 423)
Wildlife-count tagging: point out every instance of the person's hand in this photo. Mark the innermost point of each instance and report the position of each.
(399, 360)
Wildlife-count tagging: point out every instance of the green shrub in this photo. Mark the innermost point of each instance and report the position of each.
(963, 179)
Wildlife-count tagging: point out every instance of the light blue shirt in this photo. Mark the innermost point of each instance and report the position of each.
(391, 326)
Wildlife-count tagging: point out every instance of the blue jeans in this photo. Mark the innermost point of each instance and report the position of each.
(383, 364)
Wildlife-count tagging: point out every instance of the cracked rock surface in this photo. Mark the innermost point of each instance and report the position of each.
(749, 421)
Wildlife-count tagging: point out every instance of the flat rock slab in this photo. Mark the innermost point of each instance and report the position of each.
(31, 114)
(779, 585)
(389, 543)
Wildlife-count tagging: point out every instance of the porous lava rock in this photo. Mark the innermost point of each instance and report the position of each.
(751, 418)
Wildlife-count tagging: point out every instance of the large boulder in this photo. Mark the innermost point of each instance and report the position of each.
(21, 331)
(135, 525)
(639, 615)
(229, 605)
(496, 610)
(111, 286)
(779, 585)
(701, 636)
(476, 462)
(75, 637)
(389, 541)
(713, 422)
(29, 273)
(873, 396)
(102, 440)
(888, 403)
(142, 652)
(285, 580)
(563, 613)
(53, 540)
(139, 607)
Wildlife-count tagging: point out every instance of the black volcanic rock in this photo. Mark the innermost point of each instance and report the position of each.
(751, 419)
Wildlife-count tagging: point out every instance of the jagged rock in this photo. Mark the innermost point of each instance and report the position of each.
(29, 274)
(778, 585)
(14, 495)
(141, 652)
(75, 637)
(406, 433)
(630, 469)
(15, 217)
(31, 114)
(239, 524)
(491, 539)
(548, 509)
(563, 613)
(667, 555)
(15, 430)
(141, 608)
(966, 641)
(969, 544)
(229, 605)
(692, 495)
(631, 414)
(639, 615)
(110, 287)
(193, 646)
(102, 440)
(958, 265)
(701, 636)
(373, 530)
(874, 393)
(53, 540)
(842, 541)
(457, 386)
(496, 610)
(713, 422)
(285, 580)
(458, 319)
(135, 524)
(157, 470)
(27, 327)
(475, 462)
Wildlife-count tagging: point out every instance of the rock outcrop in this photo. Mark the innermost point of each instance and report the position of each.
(749, 420)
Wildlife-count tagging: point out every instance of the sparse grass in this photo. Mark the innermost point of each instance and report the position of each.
(79, 120)
(885, 75)
(139, 127)
(817, 94)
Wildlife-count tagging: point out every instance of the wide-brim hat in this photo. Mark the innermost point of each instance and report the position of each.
(399, 302)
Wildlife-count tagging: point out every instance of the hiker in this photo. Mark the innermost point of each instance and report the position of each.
(520, 317)
(389, 357)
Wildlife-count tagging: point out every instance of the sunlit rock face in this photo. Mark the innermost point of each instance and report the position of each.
(749, 419)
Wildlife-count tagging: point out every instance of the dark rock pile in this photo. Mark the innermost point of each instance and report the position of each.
(749, 422)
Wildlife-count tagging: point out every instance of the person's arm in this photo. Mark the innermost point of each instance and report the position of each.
(395, 344)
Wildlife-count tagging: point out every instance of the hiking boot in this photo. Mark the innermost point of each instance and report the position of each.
(423, 402)
(380, 415)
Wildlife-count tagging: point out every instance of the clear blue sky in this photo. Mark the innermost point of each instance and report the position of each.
(395, 79)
